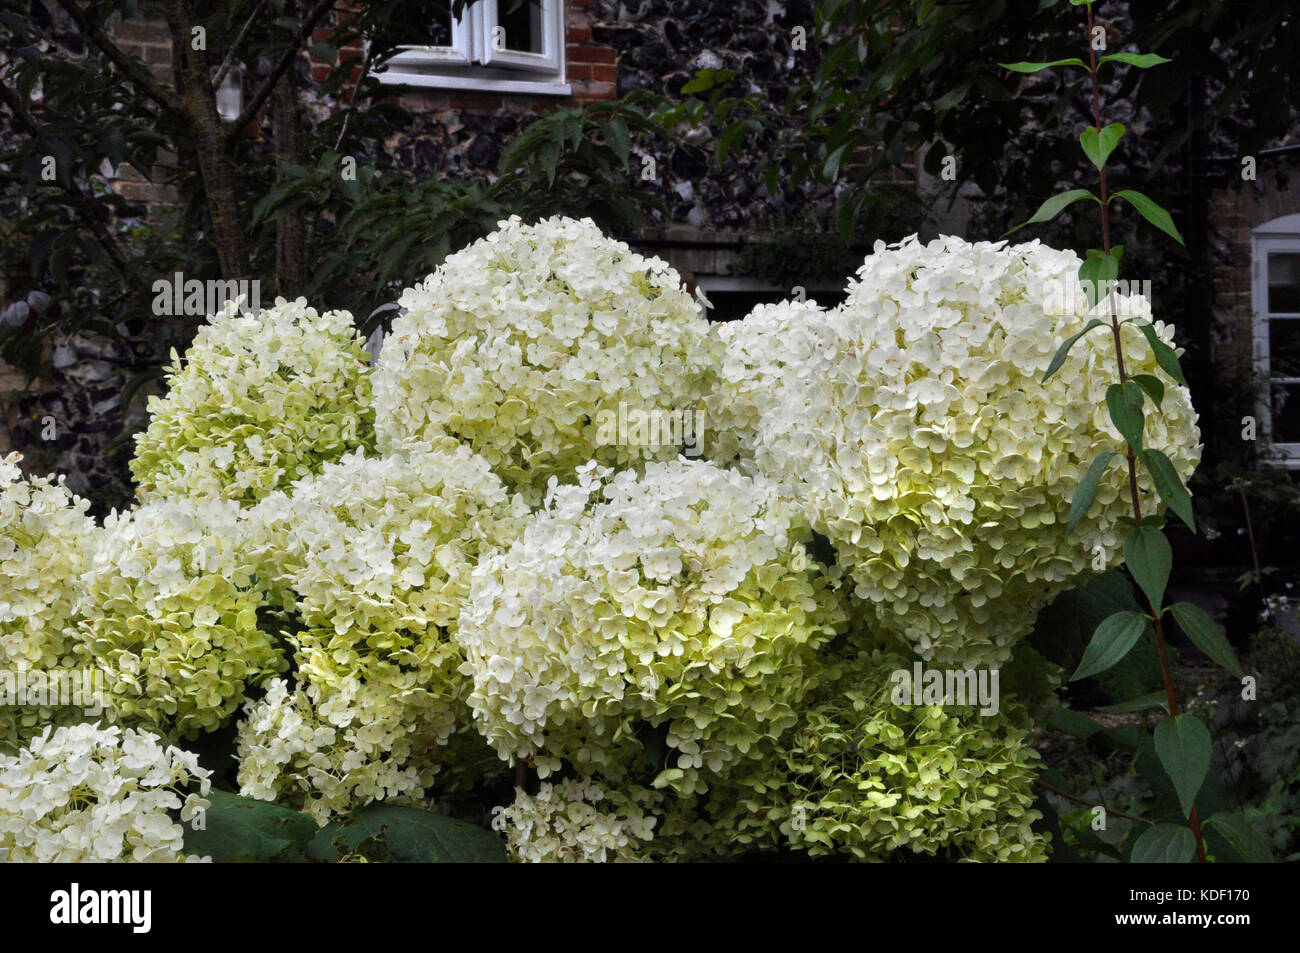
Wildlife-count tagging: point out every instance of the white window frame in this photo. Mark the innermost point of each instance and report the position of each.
(471, 62)
(1281, 235)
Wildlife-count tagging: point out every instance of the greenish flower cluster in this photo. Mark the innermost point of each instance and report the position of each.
(681, 601)
(865, 776)
(528, 344)
(259, 401)
(46, 543)
(376, 555)
(172, 615)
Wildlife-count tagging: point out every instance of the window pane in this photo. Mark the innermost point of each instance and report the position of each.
(1284, 347)
(1286, 413)
(1284, 283)
(522, 21)
(437, 30)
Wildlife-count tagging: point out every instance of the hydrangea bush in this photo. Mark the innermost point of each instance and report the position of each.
(172, 615)
(682, 598)
(377, 555)
(46, 543)
(864, 775)
(692, 657)
(913, 426)
(90, 794)
(525, 343)
(576, 821)
(259, 401)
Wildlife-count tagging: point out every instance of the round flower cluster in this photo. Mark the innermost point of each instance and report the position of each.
(770, 341)
(528, 344)
(328, 751)
(46, 541)
(91, 794)
(377, 556)
(913, 425)
(172, 615)
(681, 600)
(260, 401)
(576, 821)
(864, 776)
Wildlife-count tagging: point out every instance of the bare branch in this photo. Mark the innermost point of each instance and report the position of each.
(136, 72)
(229, 61)
(259, 98)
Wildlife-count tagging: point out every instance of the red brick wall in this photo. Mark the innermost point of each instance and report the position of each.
(591, 68)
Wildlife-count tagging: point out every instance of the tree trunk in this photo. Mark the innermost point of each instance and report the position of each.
(215, 165)
(290, 234)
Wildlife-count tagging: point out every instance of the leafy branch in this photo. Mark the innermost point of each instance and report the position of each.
(1182, 742)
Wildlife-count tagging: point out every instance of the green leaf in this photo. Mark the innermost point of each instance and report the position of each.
(1035, 67)
(1183, 746)
(411, 835)
(1243, 837)
(1150, 559)
(325, 52)
(1207, 635)
(951, 98)
(1140, 60)
(1141, 703)
(1072, 722)
(1165, 844)
(832, 166)
(1087, 489)
(1114, 638)
(1053, 206)
(1094, 274)
(1170, 486)
(1098, 146)
(1064, 350)
(1152, 385)
(1125, 404)
(1164, 354)
(239, 828)
(1151, 211)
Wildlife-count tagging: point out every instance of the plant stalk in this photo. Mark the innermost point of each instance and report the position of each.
(1170, 697)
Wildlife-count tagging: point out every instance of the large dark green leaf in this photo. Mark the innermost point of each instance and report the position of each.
(1035, 67)
(1170, 486)
(239, 828)
(1111, 642)
(1087, 489)
(1150, 559)
(1151, 211)
(1242, 836)
(1124, 401)
(1095, 273)
(1064, 350)
(411, 836)
(1153, 386)
(1140, 60)
(1207, 635)
(1183, 745)
(1165, 355)
(1053, 206)
(1165, 844)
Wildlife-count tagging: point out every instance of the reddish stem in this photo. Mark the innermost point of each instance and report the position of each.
(1170, 696)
